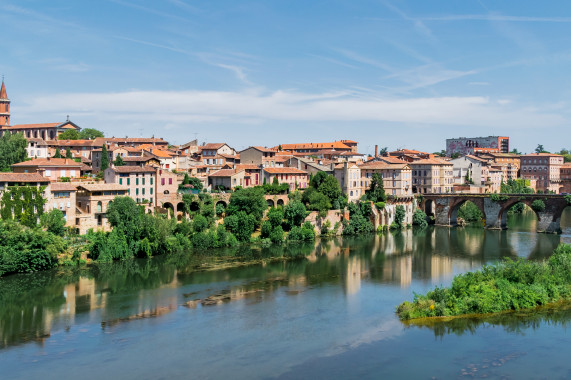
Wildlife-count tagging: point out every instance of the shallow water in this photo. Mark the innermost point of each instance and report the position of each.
(331, 316)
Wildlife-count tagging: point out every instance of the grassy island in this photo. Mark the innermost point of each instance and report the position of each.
(508, 285)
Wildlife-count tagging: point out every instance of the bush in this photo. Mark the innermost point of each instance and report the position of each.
(295, 234)
(419, 219)
(54, 222)
(275, 216)
(266, 229)
(400, 214)
(470, 212)
(538, 205)
(199, 223)
(380, 205)
(277, 235)
(509, 285)
(568, 199)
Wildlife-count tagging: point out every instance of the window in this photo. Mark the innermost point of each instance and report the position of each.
(170, 181)
(128, 181)
(143, 191)
(62, 173)
(72, 173)
(120, 181)
(151, 191)
(137, 181)
(137, 191)
(151, 180)
(162, 181)
(143, 181)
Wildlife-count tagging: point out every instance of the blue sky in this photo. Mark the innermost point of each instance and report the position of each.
(402, 74)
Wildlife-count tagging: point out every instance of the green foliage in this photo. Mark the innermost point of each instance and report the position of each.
(68, 153)
(538, 205)
(277, 235)
(275, 216)
(568, 199)
(376, 192)
(400, 214)
(499, 197)
(57, 153)
(331, 196)
(119, 161)
(295, 213)
(104, 158)
(24, 250)
(12, 150)
(70, 134)
(318, 201)
(275, 188)
(89, 134)
(470, 212)
(219, 209)
(517, 208)
(419, 219)
(53, 222)
(24, 204)
(241, 224)
(380, 205)
(516, 186)
(266, 229)
(304, 233)
(509, 285)
(359, 222)
(199, 223)
(250, 201)
(540, 149)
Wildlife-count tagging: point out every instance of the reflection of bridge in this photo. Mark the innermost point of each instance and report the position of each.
(444, 208)
(174, 201)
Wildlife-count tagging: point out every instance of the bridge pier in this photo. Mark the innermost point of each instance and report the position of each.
(495, 219)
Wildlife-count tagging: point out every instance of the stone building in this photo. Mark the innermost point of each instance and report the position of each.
(295, 178)
(227, 178)
(432, 176)
(257, 155)
(467, 145)
(92, 203)
(397, 178)
(348, 175)
(140, 182)
(62, 196)
(545, 168)
(51, 168)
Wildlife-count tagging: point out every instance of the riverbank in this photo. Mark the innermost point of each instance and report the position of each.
(508, 285)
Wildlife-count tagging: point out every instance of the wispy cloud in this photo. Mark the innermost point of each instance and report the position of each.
(418, 24)
(356, 57)
(153, 11)
(495, 17)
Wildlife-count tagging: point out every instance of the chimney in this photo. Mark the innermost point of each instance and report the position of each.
(376, 150)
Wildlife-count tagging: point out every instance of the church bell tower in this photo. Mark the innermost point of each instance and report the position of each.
(4, 106)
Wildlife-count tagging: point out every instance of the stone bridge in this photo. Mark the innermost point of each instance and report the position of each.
(174, 201)
(444, 208)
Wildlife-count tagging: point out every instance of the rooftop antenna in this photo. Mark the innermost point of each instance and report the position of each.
(67, 117)
(196, 134)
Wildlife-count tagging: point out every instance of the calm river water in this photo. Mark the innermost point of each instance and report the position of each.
(331, 316)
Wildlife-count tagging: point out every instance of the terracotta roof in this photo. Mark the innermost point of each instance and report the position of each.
(225, 173)
(247, 167)
(335, 144)
(161, 153)
(382, 165)
(72, 143)
(33, 126)
(138, 158)
(230, 156)
(41, 142)
(3, 94)
(542, 155)
(390, 160)
(282, 158)
(284, 171)
(102, 187)
(63, 186)
(142, 140)
(211, 146)
(134, 169)
(476, 158)
(49, 162)
(430, 161)
(262, 149)
(22, 177)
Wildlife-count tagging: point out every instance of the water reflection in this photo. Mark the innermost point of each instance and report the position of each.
(36, 305)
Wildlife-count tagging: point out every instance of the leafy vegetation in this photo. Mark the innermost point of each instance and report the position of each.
(419, 219)
(104, 158)
(376, 192)
(24, 249)
(509, 285)
(470, 212)
(24, 204)
(538, 205)
(54, 222)
(12, 150)
(119, 161)
(359, 219)
(323, 193)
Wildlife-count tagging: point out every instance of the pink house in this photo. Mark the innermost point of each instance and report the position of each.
(51, 168)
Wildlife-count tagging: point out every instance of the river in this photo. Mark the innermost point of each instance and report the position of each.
(331, 316)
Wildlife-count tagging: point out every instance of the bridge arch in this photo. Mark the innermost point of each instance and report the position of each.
(453, 212)
(169, 207)
(270, 202)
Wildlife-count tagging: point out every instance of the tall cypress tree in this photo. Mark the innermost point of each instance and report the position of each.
(104, 158)
(68, 153)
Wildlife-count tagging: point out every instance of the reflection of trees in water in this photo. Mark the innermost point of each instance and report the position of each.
(513, 322)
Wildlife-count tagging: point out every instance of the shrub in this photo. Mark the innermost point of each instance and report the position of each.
(568, 199)
(400, 214)
(295, 234)
(266, 229)
(277, 235)
(275, 216)
(380, 205)
(419, 219)
(199, 223)
(538, 205)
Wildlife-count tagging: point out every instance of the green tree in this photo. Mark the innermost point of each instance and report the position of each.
(330, 188)
(54, 222)
(294, 213)
(12, 150)
(250, 200)
(376, 192)
(119, 161)
(538, 205)
(277, 235)
(540, 149)
(515, 151)
(275, 216)
(400, 213)
(104, 158)
(68, 153)
(241, 224)
(70, 134)
(58, 154)
(125, 216)
(419, 219)
(89, 134)
(319, 202)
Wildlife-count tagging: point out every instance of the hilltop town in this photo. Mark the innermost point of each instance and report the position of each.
(81, 171)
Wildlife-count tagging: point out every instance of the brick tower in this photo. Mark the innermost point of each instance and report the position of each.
(4, 106)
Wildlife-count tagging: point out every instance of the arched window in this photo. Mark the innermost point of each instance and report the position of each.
(99, 206)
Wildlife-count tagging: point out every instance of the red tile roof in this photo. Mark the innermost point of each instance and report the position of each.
(134, 169)
(22, 177)
(284, 171)
(49, 162)
(211, 146)
(225, 173)
(247, 167)
(334, 144)
(63, 186)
